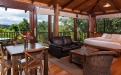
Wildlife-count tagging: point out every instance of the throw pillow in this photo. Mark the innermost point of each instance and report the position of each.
(108, 36)
(115, 36)
(104, 35)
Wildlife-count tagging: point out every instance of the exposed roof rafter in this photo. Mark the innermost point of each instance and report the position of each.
(67, 4)
(101, 8)
(79, 5)
(32, 1)
(117, 5)
(87, 7)
(97, 2)
(52, 3)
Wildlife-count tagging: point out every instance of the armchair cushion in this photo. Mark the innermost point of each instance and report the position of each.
(67, 40)
(57, 40)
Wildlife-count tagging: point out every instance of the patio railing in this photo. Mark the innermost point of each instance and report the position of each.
(43, 35)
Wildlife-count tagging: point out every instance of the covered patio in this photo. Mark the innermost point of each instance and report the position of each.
(91, 10)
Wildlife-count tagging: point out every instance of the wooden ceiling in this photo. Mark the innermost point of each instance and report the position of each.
(94, 7)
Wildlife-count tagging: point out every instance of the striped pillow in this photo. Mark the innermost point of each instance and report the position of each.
(115, 36)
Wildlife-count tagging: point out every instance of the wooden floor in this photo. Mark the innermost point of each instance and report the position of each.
(55, 70)
(115, 68)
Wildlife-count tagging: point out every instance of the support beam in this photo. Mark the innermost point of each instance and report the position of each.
(92, 24)
(33, 23)
(75, 29)
(87, 7)
(117, 5)
(56, 27)
(52, 3)
(101, 8)
(67, 4)
(16, 5)
(32, 1)
(94, 6)
(49, 26)
(79, 5)
(5, 8)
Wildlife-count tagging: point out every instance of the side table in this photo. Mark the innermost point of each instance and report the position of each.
(80, 55)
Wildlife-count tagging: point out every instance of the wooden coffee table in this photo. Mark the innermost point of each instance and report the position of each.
(78, 55)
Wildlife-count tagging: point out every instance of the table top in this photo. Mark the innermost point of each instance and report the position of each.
(84, 50)
(19, 49)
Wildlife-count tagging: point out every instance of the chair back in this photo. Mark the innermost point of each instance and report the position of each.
(33, 58)
(2, 62)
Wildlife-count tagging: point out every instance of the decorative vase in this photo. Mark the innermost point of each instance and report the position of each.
(25, 44)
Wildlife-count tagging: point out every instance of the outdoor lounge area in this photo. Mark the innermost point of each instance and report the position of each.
(60, 37)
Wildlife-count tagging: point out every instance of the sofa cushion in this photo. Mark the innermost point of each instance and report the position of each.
(67, 40)
(57, 40)
(66, 49)
(73, 46)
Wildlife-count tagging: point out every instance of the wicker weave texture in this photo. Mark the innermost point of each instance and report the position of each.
(98, 64)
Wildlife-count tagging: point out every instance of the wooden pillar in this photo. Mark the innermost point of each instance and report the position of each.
(75, 29)
(56, 27)
(33, 23)
(49, 26)
(92, 23)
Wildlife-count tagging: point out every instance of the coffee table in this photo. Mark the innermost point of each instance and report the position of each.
(78, 55)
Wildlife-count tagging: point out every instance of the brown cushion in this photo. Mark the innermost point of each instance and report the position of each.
(67, 40)
(57, 40)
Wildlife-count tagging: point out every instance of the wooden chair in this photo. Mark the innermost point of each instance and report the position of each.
(32, 61)
(5, 64)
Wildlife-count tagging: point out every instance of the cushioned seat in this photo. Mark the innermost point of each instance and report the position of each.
(60, 46)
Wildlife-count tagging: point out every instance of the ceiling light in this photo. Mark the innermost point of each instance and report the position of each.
(107, 5)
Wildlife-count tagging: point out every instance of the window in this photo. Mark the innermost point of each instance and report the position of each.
(110, 25)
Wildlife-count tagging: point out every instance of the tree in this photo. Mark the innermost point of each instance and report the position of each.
(24, 25)
(42, 26)
(14, 27)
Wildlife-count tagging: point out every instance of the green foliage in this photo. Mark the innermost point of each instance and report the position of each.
(42, 26)
(111, 25)
(24, 25)
(14, 27)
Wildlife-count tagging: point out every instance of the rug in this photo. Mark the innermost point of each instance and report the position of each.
(65, 65)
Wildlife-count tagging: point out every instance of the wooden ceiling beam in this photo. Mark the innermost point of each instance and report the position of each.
(67, 4)
(79, 5)
(101, 8)
(94, 6)
(32, 1)
(16, 5)
(117, 5)
(87, 7)
(52, 2)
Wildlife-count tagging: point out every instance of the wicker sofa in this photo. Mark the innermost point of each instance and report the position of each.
(98, 63)
(60, 46)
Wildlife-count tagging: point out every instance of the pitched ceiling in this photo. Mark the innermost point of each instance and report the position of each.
(94, 7)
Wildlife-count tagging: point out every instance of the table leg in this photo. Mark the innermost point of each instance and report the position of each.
(46, 62)
(14, 65)
(70, 57)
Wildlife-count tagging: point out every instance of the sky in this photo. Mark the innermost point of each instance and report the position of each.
(14, 16)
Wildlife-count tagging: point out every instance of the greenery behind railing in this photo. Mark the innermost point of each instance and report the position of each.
(43, 35)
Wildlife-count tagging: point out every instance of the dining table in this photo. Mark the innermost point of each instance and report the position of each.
(13, 52)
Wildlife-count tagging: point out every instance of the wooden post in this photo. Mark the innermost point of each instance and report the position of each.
(56, 27)
(92, 22)
(75, 29)
(33, 23)
(49, 26)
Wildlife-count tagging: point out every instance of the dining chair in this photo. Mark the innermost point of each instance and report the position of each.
(32, 61)
(5, 64)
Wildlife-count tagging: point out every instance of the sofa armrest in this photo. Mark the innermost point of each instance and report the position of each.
(77, 43)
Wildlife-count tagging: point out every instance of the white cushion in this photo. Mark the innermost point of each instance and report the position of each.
(104, 35)
(115, 36)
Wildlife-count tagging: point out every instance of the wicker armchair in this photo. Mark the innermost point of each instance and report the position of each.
(98, 63)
